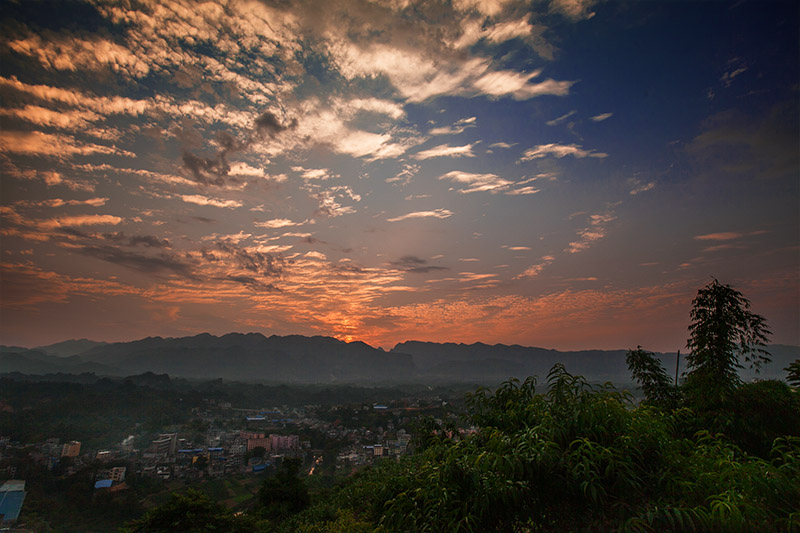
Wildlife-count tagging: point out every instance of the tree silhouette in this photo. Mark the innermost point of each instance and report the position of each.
(723, 334)
(646, 370)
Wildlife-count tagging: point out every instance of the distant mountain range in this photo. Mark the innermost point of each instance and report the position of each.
(300, 359)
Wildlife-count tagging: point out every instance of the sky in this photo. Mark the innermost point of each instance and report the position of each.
(564, 173)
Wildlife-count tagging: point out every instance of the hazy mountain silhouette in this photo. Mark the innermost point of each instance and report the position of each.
(300, 359)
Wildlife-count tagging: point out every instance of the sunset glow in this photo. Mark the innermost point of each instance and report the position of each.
(563, 174)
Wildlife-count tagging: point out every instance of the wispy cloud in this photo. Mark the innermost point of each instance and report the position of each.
(445, 150)
(278, 223)
(559, 151)
(594, 231)
(562, 118)
(214, 202)
(601, 117)
(534, 270)
(727, 235)
(477, 182)
(437, 213)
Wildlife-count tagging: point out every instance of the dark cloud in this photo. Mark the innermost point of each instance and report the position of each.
(267, 123)
(205, 220)
(346, 270)
(415, 265)
(253, 283)
(214, 170)
(266, 264)
(149, 241)
(207, 171)
(143, 263)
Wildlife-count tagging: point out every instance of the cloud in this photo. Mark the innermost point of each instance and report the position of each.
(456, 128)
(267, 123)
(142, 263)
(278, 223)
(518, 86)
(329, 205)
(639, 187)
(263, 263)
(44, 117)
(501, 145)
(595, 231)
(80, 220)
(315, 173)
(404, 176)
(415, 265)
(437, 213)
(205, 200)
(207, 171)
(58, 146)
(477, 182)
(149, 241)
(559, 151)
(601, 117)
(535, 270)
(252, 283)
(763, 145)
(573, 9)
(562, 118)
(727, 235)
(73, 53)
(445, 150)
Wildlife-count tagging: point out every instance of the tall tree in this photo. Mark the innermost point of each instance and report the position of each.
(647, 371)
(724, 333)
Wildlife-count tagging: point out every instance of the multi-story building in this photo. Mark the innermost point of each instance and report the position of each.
(71, 449)
(117, 474)
(254, 440)
(283, 442)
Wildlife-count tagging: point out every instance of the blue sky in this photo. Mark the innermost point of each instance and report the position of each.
(563, 174)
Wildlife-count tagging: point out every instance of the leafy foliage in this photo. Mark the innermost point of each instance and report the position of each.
(646, 370)
(190, 512)
(793, 377)
(723, 333)
(285, 493)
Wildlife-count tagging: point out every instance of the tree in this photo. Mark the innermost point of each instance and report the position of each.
(646, 370)
(793, 377)
(192, 511)
(285, 493)
(723, 334)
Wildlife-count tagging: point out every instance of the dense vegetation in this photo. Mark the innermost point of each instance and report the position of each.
(712, 454)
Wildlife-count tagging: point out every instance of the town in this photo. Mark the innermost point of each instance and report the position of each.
(218, 446)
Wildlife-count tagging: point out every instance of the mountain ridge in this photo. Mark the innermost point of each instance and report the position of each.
(322, 359)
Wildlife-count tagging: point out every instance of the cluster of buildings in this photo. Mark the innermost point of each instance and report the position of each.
(169, 456)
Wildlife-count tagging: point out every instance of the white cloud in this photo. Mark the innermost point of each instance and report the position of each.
(438, 213)
(573, 9)
(601, 117)
(445, 150)
(315, 173)
(516, 85)
(559, 151)
(277, 223)
(205, 200)
(477, 182)
(501, 145)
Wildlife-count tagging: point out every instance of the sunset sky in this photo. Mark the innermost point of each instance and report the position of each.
(563, 174)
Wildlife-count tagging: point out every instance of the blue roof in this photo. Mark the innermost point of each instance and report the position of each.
(12, 495)
(259, 468)
(103, 484)
(215, 449)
